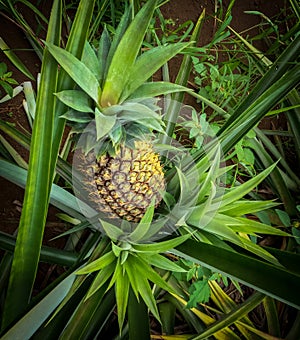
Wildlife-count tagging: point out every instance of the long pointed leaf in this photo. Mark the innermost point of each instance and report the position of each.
(122, 286)
(39, 180)
(157, 88)
(277, 70)
(75, 45)
(125, 55)
(266, 278)
(28, 325)
(138, 318)
(148, 63)
(78, 71)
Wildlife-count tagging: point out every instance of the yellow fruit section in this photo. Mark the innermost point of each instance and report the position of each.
(127, 182)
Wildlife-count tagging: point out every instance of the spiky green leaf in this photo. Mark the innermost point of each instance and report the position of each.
(148, 63)
(162, 246)
(157, 88)
(77, 70)
(104, 124)
(125, 55)
(98, 264)
(75, 99)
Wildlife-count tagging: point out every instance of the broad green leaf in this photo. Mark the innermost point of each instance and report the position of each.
(16, 91)
(76, 116)
(138, 318)
(199, 294)
(98, 264)
(125, 54)
(77, 70)
(147, 64)
(7, 88)
(75, 99)
(287, 259)
(104, 124)
(90, 59)
(262, 276)
(157, 88)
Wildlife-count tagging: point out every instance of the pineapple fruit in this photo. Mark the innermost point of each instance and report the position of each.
(125, 184)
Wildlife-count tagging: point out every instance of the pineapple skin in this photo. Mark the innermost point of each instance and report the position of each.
(124, 185)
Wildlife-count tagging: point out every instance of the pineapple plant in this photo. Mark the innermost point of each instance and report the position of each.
(115, 114)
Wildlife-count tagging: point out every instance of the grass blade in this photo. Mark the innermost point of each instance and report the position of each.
(14, 59)
(236, 314)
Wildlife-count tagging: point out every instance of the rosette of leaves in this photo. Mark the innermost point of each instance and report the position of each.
(115, 99)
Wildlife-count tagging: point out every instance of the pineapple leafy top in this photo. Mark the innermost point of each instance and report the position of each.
(112, 81)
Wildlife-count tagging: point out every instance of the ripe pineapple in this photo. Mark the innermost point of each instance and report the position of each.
(113, 104)
(125, 184)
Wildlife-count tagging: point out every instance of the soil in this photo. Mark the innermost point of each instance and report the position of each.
(11, 196)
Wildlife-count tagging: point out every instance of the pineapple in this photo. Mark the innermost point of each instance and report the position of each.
(113, 105)
(125, 184)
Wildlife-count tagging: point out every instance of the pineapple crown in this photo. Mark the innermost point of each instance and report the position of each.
(112, 82)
